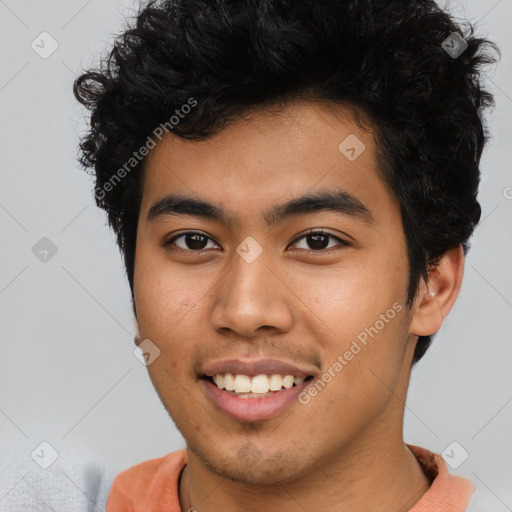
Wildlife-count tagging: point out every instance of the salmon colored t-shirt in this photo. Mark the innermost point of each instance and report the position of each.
(152, 486)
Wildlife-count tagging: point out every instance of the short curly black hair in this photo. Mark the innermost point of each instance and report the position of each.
(397, 61)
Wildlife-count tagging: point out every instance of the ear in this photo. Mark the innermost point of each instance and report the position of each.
(137, 338)
(437, 295)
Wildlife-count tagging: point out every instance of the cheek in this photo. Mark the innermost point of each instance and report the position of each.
(354, 296)
(164, 295)
(363, 305)
(167, 305)
(364, 352)
(164, 307)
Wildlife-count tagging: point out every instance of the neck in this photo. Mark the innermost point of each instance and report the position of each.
(384, 477)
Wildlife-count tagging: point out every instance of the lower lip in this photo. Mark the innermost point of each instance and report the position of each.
(252, 409)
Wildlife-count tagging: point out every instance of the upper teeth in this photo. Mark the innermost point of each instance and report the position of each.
(257, 384)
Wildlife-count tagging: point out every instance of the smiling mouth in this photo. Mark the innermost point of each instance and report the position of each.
(258, 386)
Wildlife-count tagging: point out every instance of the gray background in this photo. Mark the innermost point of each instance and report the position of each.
(68, 375)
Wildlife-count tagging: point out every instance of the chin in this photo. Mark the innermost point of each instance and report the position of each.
(248, 465)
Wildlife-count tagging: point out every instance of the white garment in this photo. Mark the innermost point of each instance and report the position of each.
(74, 482)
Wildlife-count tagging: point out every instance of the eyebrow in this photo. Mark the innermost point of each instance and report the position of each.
(337, 201)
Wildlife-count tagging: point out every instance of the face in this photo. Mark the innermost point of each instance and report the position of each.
(317, 291)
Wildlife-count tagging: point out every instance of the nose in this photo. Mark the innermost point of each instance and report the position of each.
(252, 297)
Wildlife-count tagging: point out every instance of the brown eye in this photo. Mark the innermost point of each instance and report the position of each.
(319, 240)
(192, 241)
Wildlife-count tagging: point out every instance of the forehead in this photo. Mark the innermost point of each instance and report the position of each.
(269, 156)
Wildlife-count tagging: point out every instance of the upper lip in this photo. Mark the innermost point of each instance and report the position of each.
(255, 367)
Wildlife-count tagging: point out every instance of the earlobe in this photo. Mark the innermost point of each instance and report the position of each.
(436, 296)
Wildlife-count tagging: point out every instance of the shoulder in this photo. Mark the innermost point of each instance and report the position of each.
(153, 481)
(447, 492)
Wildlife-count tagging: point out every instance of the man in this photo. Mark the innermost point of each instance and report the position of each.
(293, 185)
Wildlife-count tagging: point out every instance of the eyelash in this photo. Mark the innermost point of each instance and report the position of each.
(342, 243)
